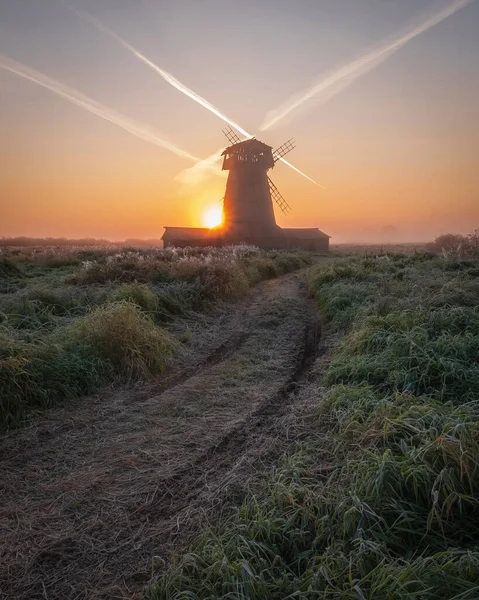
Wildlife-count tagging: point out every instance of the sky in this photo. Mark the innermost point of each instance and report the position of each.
(394, 146)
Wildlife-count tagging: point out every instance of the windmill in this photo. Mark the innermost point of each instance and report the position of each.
(248, 201)
(248, 213)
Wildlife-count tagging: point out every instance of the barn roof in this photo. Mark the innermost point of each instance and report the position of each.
(188, 233)
(306, 233)
(251, 145)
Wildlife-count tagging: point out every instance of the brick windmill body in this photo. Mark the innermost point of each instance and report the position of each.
(248, 212)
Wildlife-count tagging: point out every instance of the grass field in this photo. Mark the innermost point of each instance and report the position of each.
(381, 500)
(75, 319)
(259, 465)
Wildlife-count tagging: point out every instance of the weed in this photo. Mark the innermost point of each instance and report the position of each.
(9, 268)
(123, 336)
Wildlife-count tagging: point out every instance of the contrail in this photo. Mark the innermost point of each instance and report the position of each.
(345, 75)
(301, 172)
(137, 129)
(168, 77)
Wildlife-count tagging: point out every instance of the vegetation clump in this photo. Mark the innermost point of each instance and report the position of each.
(75, 319)
(454, 244)
(113, 341)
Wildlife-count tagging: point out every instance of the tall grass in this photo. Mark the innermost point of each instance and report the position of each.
(384, 502)
(187, 264)
(115, 341)
(124, 337)
(417, 333)
(44, 306)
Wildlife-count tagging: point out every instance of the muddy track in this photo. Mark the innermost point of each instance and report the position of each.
(98, 495)
(263, 419)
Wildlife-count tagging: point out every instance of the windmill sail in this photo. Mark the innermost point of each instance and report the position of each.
(278, 198)
(231, 136)
(284, 149)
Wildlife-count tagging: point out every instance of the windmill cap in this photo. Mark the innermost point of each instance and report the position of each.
(252, 145)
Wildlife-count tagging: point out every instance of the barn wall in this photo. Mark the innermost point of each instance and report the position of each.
(314, 245)
(318, 244)
(182, 243)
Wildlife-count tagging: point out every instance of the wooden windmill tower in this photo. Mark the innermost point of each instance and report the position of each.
(248, 212)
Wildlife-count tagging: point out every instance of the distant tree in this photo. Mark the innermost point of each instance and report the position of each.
(472, 244)
(390, 230)
(49, 241)
(456, 244)
(448, 242)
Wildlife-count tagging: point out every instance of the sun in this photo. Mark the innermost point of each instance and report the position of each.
(213, 216)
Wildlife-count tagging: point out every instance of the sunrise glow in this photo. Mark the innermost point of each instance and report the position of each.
(213, 216)
(95, 144)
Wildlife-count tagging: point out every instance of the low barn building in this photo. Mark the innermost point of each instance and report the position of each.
(307, 239)
(302, 239)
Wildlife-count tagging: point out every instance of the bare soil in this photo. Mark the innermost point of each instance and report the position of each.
(95, 497)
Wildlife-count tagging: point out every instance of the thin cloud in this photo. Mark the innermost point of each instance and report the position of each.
(168, 77)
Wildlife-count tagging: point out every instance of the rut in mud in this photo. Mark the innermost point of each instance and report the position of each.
(97, 494)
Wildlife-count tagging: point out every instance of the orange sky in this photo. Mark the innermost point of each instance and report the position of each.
(397, 148)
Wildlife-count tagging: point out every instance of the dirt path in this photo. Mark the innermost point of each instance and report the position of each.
(99, 493)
